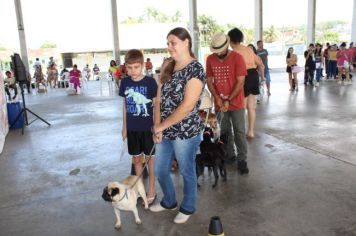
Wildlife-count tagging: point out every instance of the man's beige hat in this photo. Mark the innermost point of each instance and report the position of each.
(219, 42)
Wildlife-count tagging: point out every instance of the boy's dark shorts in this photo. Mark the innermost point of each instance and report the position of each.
(139, 142)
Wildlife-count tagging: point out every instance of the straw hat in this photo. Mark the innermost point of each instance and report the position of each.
(219, 42)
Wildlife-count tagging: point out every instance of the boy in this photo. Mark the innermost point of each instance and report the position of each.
(139, 93)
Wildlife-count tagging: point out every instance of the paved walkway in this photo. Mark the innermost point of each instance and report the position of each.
(301, 182)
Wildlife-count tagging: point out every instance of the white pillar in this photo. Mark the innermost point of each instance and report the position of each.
(193, 27)
(258, 20)
(21, 29)
(311, 22)
(353, 28)
(115, 31)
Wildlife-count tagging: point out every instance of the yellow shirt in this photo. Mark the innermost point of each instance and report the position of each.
(112, 69)
(332, 55)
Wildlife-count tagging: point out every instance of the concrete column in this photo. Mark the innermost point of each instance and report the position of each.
(258, 20)
(115, 31)
(21, 29)
(311, 22)
(353, 28)
(193, 27)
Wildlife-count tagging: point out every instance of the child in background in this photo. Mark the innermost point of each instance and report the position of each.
(139, 93)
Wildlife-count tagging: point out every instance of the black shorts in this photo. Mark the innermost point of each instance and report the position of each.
(139, 142)
(252, 83)
(289, 69)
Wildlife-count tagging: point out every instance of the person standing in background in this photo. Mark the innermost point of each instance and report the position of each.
(309, 67)
(318, 55)
(263, 54)
(251, 86)
(326, 60)
(332, 67)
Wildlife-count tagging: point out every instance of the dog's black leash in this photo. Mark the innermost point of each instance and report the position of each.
(144, 167)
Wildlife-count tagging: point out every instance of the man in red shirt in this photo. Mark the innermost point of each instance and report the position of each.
(226, 71)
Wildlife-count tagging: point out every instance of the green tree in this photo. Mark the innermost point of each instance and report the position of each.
(270, 34)
(207, 28)
(48, 44)
(177, 17)
(131, 20)
(152, 14)
(329, 36)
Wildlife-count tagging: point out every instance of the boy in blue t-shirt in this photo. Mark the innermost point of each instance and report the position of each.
(139, 93)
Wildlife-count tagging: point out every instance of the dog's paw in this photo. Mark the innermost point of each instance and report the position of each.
(138, 222)
(117, 226)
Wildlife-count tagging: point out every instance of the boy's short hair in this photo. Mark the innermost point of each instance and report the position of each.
(134, 56)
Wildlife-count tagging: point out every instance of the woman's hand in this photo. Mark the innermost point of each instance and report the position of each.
(157, 133)
(157, 138)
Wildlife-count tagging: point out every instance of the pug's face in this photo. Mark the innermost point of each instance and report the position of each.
(110, 192)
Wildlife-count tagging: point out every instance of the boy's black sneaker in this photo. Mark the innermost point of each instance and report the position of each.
(242, 167)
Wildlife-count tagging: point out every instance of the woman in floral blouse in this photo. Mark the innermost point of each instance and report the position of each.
(178, 127)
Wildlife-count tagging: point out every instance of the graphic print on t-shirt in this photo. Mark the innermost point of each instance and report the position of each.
(221, 75)
(136, 102)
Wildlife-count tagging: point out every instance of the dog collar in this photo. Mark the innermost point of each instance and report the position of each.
(125, 195)
(220, 142)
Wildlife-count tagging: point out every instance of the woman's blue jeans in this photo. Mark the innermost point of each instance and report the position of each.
(185, 152)
(318, 74)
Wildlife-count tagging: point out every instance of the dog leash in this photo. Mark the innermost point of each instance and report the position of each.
(144, 167)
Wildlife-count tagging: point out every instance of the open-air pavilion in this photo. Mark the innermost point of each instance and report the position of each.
(301, 181)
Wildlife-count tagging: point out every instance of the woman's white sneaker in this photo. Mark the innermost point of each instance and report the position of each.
(181, 218)
(158, 208)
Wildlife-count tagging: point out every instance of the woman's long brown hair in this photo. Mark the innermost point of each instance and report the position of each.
(168, 64)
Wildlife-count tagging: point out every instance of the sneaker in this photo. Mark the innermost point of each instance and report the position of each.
(317, 84)
(158, 208)
(181, 218)
(242, 167)
(339, 82)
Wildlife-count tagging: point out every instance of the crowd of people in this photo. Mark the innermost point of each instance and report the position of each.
(336, 61)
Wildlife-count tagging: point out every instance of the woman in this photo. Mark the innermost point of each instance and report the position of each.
(332, 62)
(318, 63)
(178, 127)
(343, 64)
(74, 76)
(261, 82)
(39, 77)
(112, 68)
(251, 86)
(291, 60)
(52, 75)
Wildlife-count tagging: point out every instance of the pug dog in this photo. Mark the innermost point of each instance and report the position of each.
(123, 196)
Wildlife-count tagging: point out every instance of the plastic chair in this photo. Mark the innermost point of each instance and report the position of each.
(106, 79)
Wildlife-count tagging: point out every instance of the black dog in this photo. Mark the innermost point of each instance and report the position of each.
(213, 155)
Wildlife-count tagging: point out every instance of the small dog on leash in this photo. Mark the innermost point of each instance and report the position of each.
(123, 196)
(212, 155)
(212, 122)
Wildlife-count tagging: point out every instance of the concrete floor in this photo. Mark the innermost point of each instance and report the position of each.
(301, 182)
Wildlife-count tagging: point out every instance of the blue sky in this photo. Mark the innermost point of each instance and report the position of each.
(82, 19)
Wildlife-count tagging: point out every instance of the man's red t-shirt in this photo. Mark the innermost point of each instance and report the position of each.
(225, 75)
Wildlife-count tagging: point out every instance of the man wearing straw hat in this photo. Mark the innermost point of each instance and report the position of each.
(226, 71)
